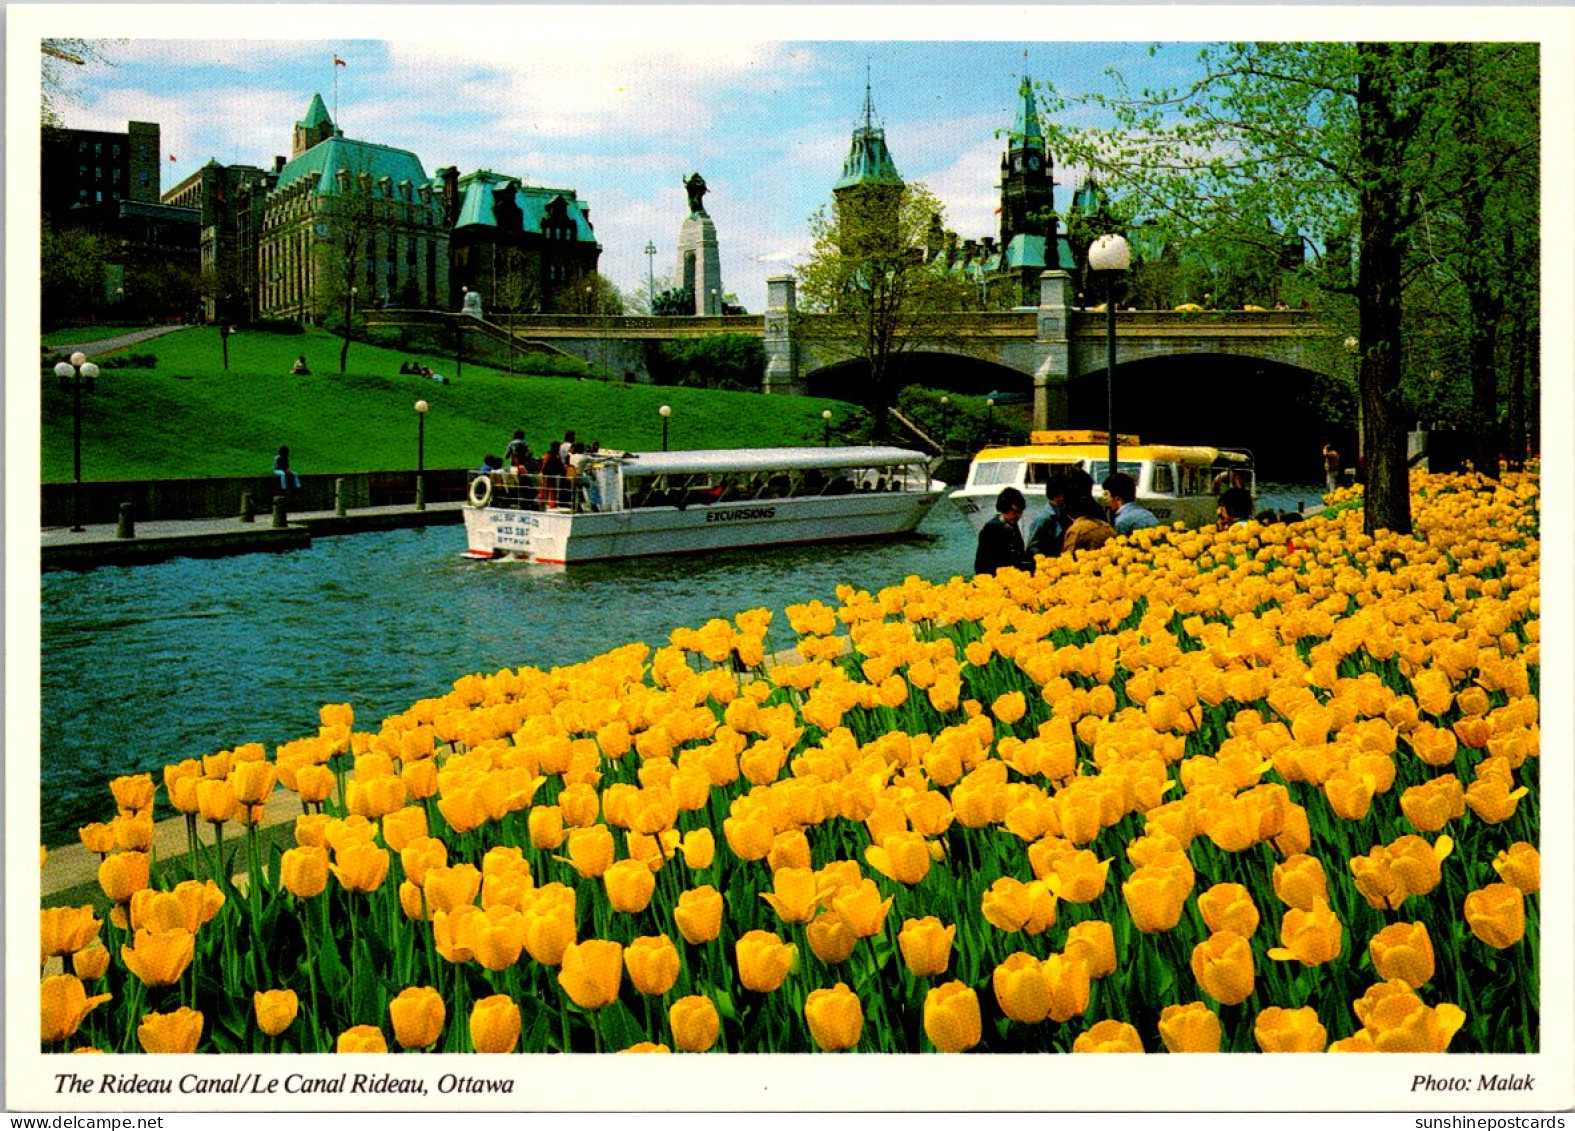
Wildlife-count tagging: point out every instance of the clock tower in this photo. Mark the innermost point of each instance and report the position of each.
(1027, 183)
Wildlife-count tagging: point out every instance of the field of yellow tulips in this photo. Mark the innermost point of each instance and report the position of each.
(1272, 788)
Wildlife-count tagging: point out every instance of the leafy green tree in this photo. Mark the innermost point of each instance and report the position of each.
(716, 361)
(870, 293)
(1321, 138)
(72, 273)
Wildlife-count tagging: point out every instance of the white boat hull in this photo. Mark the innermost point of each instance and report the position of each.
(561, 537)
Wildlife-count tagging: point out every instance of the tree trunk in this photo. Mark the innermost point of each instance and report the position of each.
(344, 348)
(1386, 490)
(1482, 337)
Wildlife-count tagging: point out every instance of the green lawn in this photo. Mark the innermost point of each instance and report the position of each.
(73, 334)
(188, 418)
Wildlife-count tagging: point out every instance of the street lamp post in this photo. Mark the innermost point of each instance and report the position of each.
(77, 370)
(666, 411)
(946, 434)
(826, 416)
(421, 455)
(224, 344)
(650, 276)
(1110, 256)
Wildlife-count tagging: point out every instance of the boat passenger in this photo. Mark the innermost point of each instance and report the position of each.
(518, 452)
(1089, 530)
(1121, 490)
(553, 479)
(1000, 540)
(1235, 507)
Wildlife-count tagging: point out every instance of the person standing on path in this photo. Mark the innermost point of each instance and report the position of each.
(1331, 466)
(1000, 540)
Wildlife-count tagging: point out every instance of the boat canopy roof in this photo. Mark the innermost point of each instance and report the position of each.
(764, 459)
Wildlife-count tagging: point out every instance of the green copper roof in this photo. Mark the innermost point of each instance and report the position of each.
(316, 114)
(869, 161)
(1026, 130)
(335, 153)
(1029, 251)
(1087, 197)
(478, 191)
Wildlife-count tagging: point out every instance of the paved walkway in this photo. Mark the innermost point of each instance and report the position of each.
(105, 345)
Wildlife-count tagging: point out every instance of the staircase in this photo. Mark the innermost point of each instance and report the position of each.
(491, 330)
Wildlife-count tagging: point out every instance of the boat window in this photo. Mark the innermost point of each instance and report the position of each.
(1163, 479)
(1039, 473)
(994, 473)
(1196, 480)
(1099, 469)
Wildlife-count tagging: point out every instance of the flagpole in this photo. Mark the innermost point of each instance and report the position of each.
(335, 67)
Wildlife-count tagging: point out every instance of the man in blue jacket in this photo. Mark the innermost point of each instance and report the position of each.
(1120, 493)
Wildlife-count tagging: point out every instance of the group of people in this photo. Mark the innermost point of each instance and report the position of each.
(1074, 520)
(551, 480)
(416, 369)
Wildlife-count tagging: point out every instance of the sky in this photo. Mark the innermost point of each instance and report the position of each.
(767, 122)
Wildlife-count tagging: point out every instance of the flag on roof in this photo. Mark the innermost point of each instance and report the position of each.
(172, 157)
(338, 62)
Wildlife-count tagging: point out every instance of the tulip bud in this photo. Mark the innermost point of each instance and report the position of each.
(695, 1024)
(134, 791)
(1300, 882)
(63, 930)
(1109, 1036)
(1021, 989)
(360, 867)
(591, 850)
(835, 1016)
(630, 885)
(176, 1032)
(1223, 966)
(699, 848)
(591, 972)
(1229, 907)
(123, 875)
(159, 958)
(698, 915)
(90, 963)
(901, 856)
(1067, 978)
(276, 1010)
(861, 908)
(830, 938)
(1094, 942)
(1520, 865)
(796, 896)
(304, 871)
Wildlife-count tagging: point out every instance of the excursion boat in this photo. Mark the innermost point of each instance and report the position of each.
(626, 505)
(1177, 484)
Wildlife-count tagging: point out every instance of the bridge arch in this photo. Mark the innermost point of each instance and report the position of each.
(1225, 400)
(943, 371)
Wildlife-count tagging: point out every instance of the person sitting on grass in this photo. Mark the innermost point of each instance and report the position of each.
(300, 368)
(281, 467)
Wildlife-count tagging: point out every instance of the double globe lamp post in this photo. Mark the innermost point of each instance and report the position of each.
(78, 370)
(1110, 257)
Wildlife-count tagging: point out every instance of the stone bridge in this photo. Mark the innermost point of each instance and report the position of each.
(1052, 344)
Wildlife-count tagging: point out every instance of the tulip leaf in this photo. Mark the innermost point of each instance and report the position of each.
(724, 1005)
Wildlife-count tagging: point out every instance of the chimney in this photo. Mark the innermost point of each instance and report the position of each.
(278, 163)
(449, 175)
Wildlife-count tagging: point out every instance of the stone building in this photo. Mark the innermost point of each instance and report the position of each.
(228, 200)
(349, 222)
(870, 182)
(90, 171)
(525, 248)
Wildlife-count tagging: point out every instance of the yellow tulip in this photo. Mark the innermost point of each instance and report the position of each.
(1155, 897)
(1310, 937)
(763, 960)
(1496, 914)
(901, 856)
(1078, 877)
(1223, 966)
(1193, 1027)
(422, 855)
(497, 936)
(1492, 799)
(750, 838)
(1021, 988)
(698, 915)
(159, 958)
(861, 907)
(546, 827)
(549, 931)
(252, 782)
(417, 1015)
(90, 963)
(1067, 977)
(1403, 951)
(830, 938)
(1301, 882)
(591, 850)
(304, 871)
(1289, 1030)
(465, 810)
(1109, 1036)
(314, 784)
(695, 1023)
(65, 930)
(1520, 865)
(796, 895)
(835, 1016)
(699, 849)
(361, 1039)
(926, 945)
(951, 1017)
(1094, 942)
(1429, 807)
(1229, 907)
(123, 875)
(360, 867)
(592, 972)
(215, 800)
(630, 885)
(404, 825)
(1009, 708)
(580, 805)
(176, 1032)
(275, 1010)
(653, 964)
(133, 791)
(495, 1024)
(63, 1003)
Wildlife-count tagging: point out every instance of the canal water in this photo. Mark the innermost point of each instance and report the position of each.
(146, 665)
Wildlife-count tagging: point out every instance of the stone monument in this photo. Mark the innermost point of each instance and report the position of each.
(699, 263)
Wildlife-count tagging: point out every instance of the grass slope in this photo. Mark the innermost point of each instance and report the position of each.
(188, 418)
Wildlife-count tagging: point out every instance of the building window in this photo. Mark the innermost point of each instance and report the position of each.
(98, 149)
(98, 198)
(116, 151)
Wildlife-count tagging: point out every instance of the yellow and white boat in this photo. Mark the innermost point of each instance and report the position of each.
(1176, 483)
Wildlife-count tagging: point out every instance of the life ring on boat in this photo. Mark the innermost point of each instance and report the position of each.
(481, 490)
